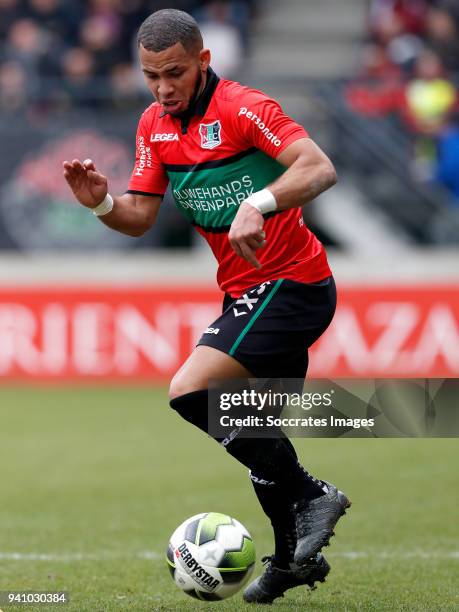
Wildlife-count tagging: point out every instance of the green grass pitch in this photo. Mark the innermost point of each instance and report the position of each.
(94, 481)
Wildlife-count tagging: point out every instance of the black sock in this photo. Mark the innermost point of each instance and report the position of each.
(271, 497)
(284, 541)
(313, 487)
(272, 500)
(271, 459)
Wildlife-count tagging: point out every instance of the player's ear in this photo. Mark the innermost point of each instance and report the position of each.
(204, 59)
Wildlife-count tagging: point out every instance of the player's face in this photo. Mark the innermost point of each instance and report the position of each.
(173, 75)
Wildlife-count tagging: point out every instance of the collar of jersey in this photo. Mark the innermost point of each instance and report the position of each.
(201, 104)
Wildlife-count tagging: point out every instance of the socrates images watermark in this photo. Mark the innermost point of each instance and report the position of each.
(334, 408)
(271, 403)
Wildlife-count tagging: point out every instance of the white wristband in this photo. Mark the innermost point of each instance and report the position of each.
(263, 201)
(104, 207)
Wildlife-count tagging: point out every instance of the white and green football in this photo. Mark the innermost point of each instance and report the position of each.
(210, 556)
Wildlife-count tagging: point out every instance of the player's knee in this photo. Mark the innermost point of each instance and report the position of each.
(175, 390)
(181, 385)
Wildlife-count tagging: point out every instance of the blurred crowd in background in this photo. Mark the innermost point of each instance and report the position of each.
(62, 53)
(410, 69)
(69, 71)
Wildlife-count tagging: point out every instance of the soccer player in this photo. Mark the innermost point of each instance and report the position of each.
(240, 171)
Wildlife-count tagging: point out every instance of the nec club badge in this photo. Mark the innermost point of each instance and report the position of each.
(210, 134)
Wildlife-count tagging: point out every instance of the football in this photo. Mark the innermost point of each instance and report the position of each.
(210, 556)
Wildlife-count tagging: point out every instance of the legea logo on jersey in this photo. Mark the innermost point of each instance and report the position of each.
(210, 134)
(163, 137)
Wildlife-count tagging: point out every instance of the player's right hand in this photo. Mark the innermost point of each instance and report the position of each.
(246, 233)
(88, 185)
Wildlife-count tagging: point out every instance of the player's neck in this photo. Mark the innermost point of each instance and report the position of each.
(202, 86)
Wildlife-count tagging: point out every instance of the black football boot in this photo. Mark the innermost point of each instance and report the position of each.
(315, 520)
(275, 581)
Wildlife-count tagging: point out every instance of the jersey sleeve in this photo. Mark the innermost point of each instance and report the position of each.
(261, 123)
(148, 176)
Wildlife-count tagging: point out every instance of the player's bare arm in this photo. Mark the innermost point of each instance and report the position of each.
(131, 214)
(309, 173)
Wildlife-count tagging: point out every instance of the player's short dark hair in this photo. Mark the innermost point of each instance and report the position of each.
(166, 28)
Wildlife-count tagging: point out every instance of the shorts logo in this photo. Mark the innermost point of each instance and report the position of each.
(212, 330)
(245, 300)
(210, 134)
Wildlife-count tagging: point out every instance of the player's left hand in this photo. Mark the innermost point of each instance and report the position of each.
(246, 234)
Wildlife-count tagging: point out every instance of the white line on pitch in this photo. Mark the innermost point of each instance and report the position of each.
(68, 557)
(153, 555)
(414, 554)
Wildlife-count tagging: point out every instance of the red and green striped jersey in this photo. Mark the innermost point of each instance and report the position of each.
(214, 159)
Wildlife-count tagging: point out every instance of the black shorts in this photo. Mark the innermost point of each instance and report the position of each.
(271, 326)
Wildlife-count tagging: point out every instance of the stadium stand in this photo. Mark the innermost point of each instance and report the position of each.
(376, 87)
